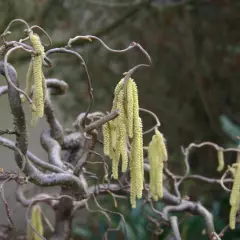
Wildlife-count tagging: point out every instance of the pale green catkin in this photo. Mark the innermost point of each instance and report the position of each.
(151, 159)
(36, 221)
(106, 139)
(236, 187)
(157, 154)
(220, 156)
(161, 142)
(232, 217)
(234, 197)
(38, 94)
(129, 108)
(39, 80)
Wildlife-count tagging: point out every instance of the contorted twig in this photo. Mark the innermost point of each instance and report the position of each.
(6, 69)
(158, 124)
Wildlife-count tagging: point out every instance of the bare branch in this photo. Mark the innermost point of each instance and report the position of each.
(101, 121)
(158, 124)
(195, 208)
(174, 224)
(53, 149)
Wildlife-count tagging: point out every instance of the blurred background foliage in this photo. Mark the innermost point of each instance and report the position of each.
(193, 85)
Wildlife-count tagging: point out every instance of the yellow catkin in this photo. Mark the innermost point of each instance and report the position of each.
(113, 134)
(220, 156)
(37, 45)
(36, 221)
(161, 142)
(151, 159)
(118, 126)
(123, 150)
(112, 147)
(234, 197)
(133, 187)
(115, 166)
(232, 217)
(116, 158)
(129, 108)
(112, 137)
(137, 148)
(39, 80)
(159, 180)
(124, 130)
(38, 94)
(115, 123)
(106, 139)
(153, 155)
(139, 163)
(119, 87)
(141, 149)
(157, 154)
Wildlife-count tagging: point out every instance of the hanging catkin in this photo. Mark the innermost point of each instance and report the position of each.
(107, 143)
(157, 154)
(126, 130)
(220, 160)
(235, 197)
(36, 221)
(38, 77)
(129, 108)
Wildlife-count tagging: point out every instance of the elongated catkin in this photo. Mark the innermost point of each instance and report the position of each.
(157, 154)
(38, 99)
(36, 221)
(38, 77)
(220, 156)
(126, 129)
(235, 197)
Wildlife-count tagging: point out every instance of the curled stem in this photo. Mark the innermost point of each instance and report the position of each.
(90, 89)
(45, 33)
(6, 31)
(6, 70)
(132, 45)
(158, 124)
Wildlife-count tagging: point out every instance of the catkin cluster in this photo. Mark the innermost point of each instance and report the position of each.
(235, 197)
(35, 76)
(36, 221)
(124, 131)
(157, 154)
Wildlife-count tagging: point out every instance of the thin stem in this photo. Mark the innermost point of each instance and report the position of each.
(158, 124)
(90, 89)
(5, 201)
(132, 45)
(46, 34)
(9, 25)
(6, 70)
